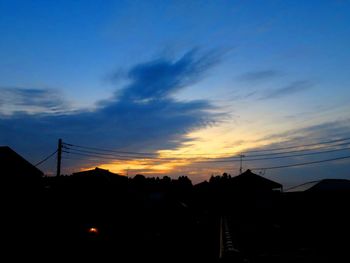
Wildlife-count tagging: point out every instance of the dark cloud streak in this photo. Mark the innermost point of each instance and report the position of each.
(28, 100)
(142, 116)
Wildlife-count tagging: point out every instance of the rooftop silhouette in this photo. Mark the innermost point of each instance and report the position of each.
(245, 217)
(17, 171)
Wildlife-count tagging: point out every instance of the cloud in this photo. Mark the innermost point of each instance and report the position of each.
(260, 75)
(17, 99)
(313, 134)
(142, 116)
(161, 78)
(294, 87)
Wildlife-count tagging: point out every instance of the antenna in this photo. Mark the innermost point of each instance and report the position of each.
(241, 161)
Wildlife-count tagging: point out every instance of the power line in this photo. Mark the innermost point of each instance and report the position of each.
(105, 157)
(129, 158)
(139, 153)
(87, 153)
(276, 157)
(297, 151)
(101, 154)
(76, 158)
(90, 155)
(108, 150)
(296, 186)
(222, 159)
(46, 158)
(299, 155)
(299, 146)
(101, 150)
(300, 164)
(98, 157)
(117, 156)
(121, 157)
(262, 168)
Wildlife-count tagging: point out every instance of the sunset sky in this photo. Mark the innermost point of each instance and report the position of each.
(183, 84)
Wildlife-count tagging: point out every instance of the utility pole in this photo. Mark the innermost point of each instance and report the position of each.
(59, 157)
(241, 161)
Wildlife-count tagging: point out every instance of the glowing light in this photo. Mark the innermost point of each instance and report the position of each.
(93, 230)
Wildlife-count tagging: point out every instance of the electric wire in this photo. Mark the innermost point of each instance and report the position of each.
(207, 154)
(301, 164)
(46, 158)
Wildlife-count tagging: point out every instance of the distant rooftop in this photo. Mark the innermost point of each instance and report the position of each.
(97, 172)
(331, 185)
(323, 185)
(253, 180)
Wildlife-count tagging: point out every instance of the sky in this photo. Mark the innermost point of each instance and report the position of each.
(187, 83)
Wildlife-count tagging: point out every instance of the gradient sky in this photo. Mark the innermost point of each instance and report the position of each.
(176, 78)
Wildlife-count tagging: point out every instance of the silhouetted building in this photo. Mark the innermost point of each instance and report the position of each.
(96, 172)
(99, 177)
(14, 169)
(246, 193)
(253, 182)
(331, 185)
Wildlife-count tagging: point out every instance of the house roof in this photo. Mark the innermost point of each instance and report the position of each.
(95, 172)
(331, 185)
(252, 180)
(13, 165)
(101, 175)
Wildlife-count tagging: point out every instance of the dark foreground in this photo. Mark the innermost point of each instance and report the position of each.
(66, 220)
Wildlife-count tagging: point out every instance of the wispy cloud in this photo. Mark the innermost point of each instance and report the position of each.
(310, 134)
(29, 100)
(292, 88)
(259, 75)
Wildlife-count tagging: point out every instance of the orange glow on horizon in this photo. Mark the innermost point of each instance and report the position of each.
(188, 157)
(202, 145)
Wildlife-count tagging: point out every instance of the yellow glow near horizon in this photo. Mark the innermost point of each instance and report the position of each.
(212, 142)
(228, 138)
(224, 140)
(144, 166)
(216, 142)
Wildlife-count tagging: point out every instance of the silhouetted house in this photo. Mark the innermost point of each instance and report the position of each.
(98, 177)
(96, 172)
(249, 181)
(17, 171)
(95, 192)
(252, 195)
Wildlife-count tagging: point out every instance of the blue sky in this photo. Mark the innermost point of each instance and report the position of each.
(175, 76)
